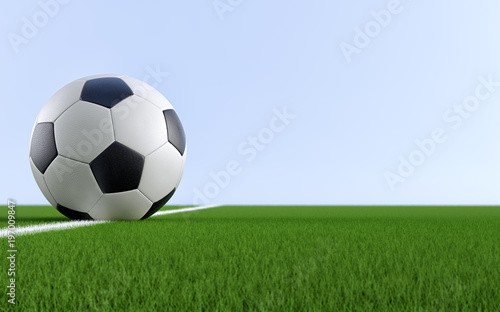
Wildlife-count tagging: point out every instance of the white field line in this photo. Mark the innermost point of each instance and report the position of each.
(165, 212)
(37, 228)
(45, 227)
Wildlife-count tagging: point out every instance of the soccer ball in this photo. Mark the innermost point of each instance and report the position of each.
(107, 148)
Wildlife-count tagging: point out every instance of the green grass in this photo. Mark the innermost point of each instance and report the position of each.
(267, 259)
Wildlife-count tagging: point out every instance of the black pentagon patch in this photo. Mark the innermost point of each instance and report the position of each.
(158, 205)
(73, 214)
(175, 131)
(118, 168)
(43, 146)
(106, 91)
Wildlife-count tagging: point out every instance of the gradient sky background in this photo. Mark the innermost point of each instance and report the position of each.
(353, 120)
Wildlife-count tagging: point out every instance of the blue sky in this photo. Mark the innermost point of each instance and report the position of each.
(318, 102)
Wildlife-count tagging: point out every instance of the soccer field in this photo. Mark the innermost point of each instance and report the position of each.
(263, 258)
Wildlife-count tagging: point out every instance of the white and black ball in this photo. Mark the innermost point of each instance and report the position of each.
(108, 147)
